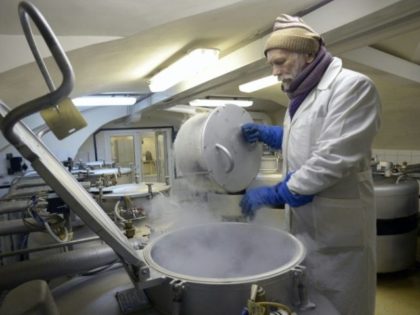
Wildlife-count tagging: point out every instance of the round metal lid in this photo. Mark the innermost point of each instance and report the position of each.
(232, 163)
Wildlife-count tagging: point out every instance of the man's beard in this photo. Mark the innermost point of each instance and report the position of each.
(288, 79)
(285, 83)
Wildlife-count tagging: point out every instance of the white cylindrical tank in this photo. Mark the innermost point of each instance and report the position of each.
(217, 267)
(397, 207)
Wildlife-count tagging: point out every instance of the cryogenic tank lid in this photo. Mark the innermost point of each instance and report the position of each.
(232, 163)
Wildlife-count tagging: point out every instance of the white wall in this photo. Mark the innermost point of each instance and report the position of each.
(397, 156)
(86, 151)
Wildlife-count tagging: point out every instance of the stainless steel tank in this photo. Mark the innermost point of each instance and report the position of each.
(216, 264)
(397, 205)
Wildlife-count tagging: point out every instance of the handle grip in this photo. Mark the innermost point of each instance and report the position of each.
(223, 149)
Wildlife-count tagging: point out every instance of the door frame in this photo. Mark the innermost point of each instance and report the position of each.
(105, 143)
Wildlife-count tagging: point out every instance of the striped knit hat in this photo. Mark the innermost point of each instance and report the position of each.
(291, 33)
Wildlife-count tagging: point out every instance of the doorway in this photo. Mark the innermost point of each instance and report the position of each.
(148, 151)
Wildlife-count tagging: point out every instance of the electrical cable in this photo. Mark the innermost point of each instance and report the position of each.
(55, 236)
(36, 205)
(117, 212)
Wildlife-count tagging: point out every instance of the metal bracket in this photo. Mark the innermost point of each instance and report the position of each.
(141, 277)
(300, 292)
(178, 287)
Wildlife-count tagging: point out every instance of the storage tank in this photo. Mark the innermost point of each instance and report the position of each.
(397, 210)
(216, 268)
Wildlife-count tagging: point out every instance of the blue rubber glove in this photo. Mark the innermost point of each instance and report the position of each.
(255, 198)
(270, 135)
(293, 200)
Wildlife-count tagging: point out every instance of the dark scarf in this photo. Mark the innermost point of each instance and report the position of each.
(303, 84)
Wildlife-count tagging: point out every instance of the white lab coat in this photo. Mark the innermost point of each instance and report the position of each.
(327, 146)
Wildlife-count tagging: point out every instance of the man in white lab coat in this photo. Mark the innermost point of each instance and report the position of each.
(326, 141)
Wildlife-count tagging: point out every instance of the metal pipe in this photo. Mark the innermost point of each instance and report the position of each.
(49, 246)
(13, 206)
(39, 131)
(411, 168)
(56, 265)
(18, 226)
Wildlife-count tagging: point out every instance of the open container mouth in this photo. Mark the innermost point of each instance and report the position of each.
(224, 253)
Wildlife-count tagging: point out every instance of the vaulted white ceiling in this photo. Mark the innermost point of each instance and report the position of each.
(117, 45)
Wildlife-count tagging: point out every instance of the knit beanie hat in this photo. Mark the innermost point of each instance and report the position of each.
(291, 33)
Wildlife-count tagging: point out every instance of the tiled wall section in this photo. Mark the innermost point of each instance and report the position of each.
(397, 156)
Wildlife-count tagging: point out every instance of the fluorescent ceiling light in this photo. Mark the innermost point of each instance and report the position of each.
(188, 65)
(220, 102)
(259, 84)
(105, 100)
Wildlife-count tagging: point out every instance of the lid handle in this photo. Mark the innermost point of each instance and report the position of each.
(223, 149)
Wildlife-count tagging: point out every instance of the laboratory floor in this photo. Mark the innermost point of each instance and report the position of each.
(399, 293)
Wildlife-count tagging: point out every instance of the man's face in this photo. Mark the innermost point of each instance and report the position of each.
(286, 65)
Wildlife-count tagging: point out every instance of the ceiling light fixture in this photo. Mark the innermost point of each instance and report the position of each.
(259, 84)
(221, 102)
(105, 100)
(190, 64)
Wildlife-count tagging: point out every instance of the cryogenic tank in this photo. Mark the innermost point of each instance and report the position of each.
(210, 150)
(137, 193)
(121, 175)
(397, 204)
(216, 264)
